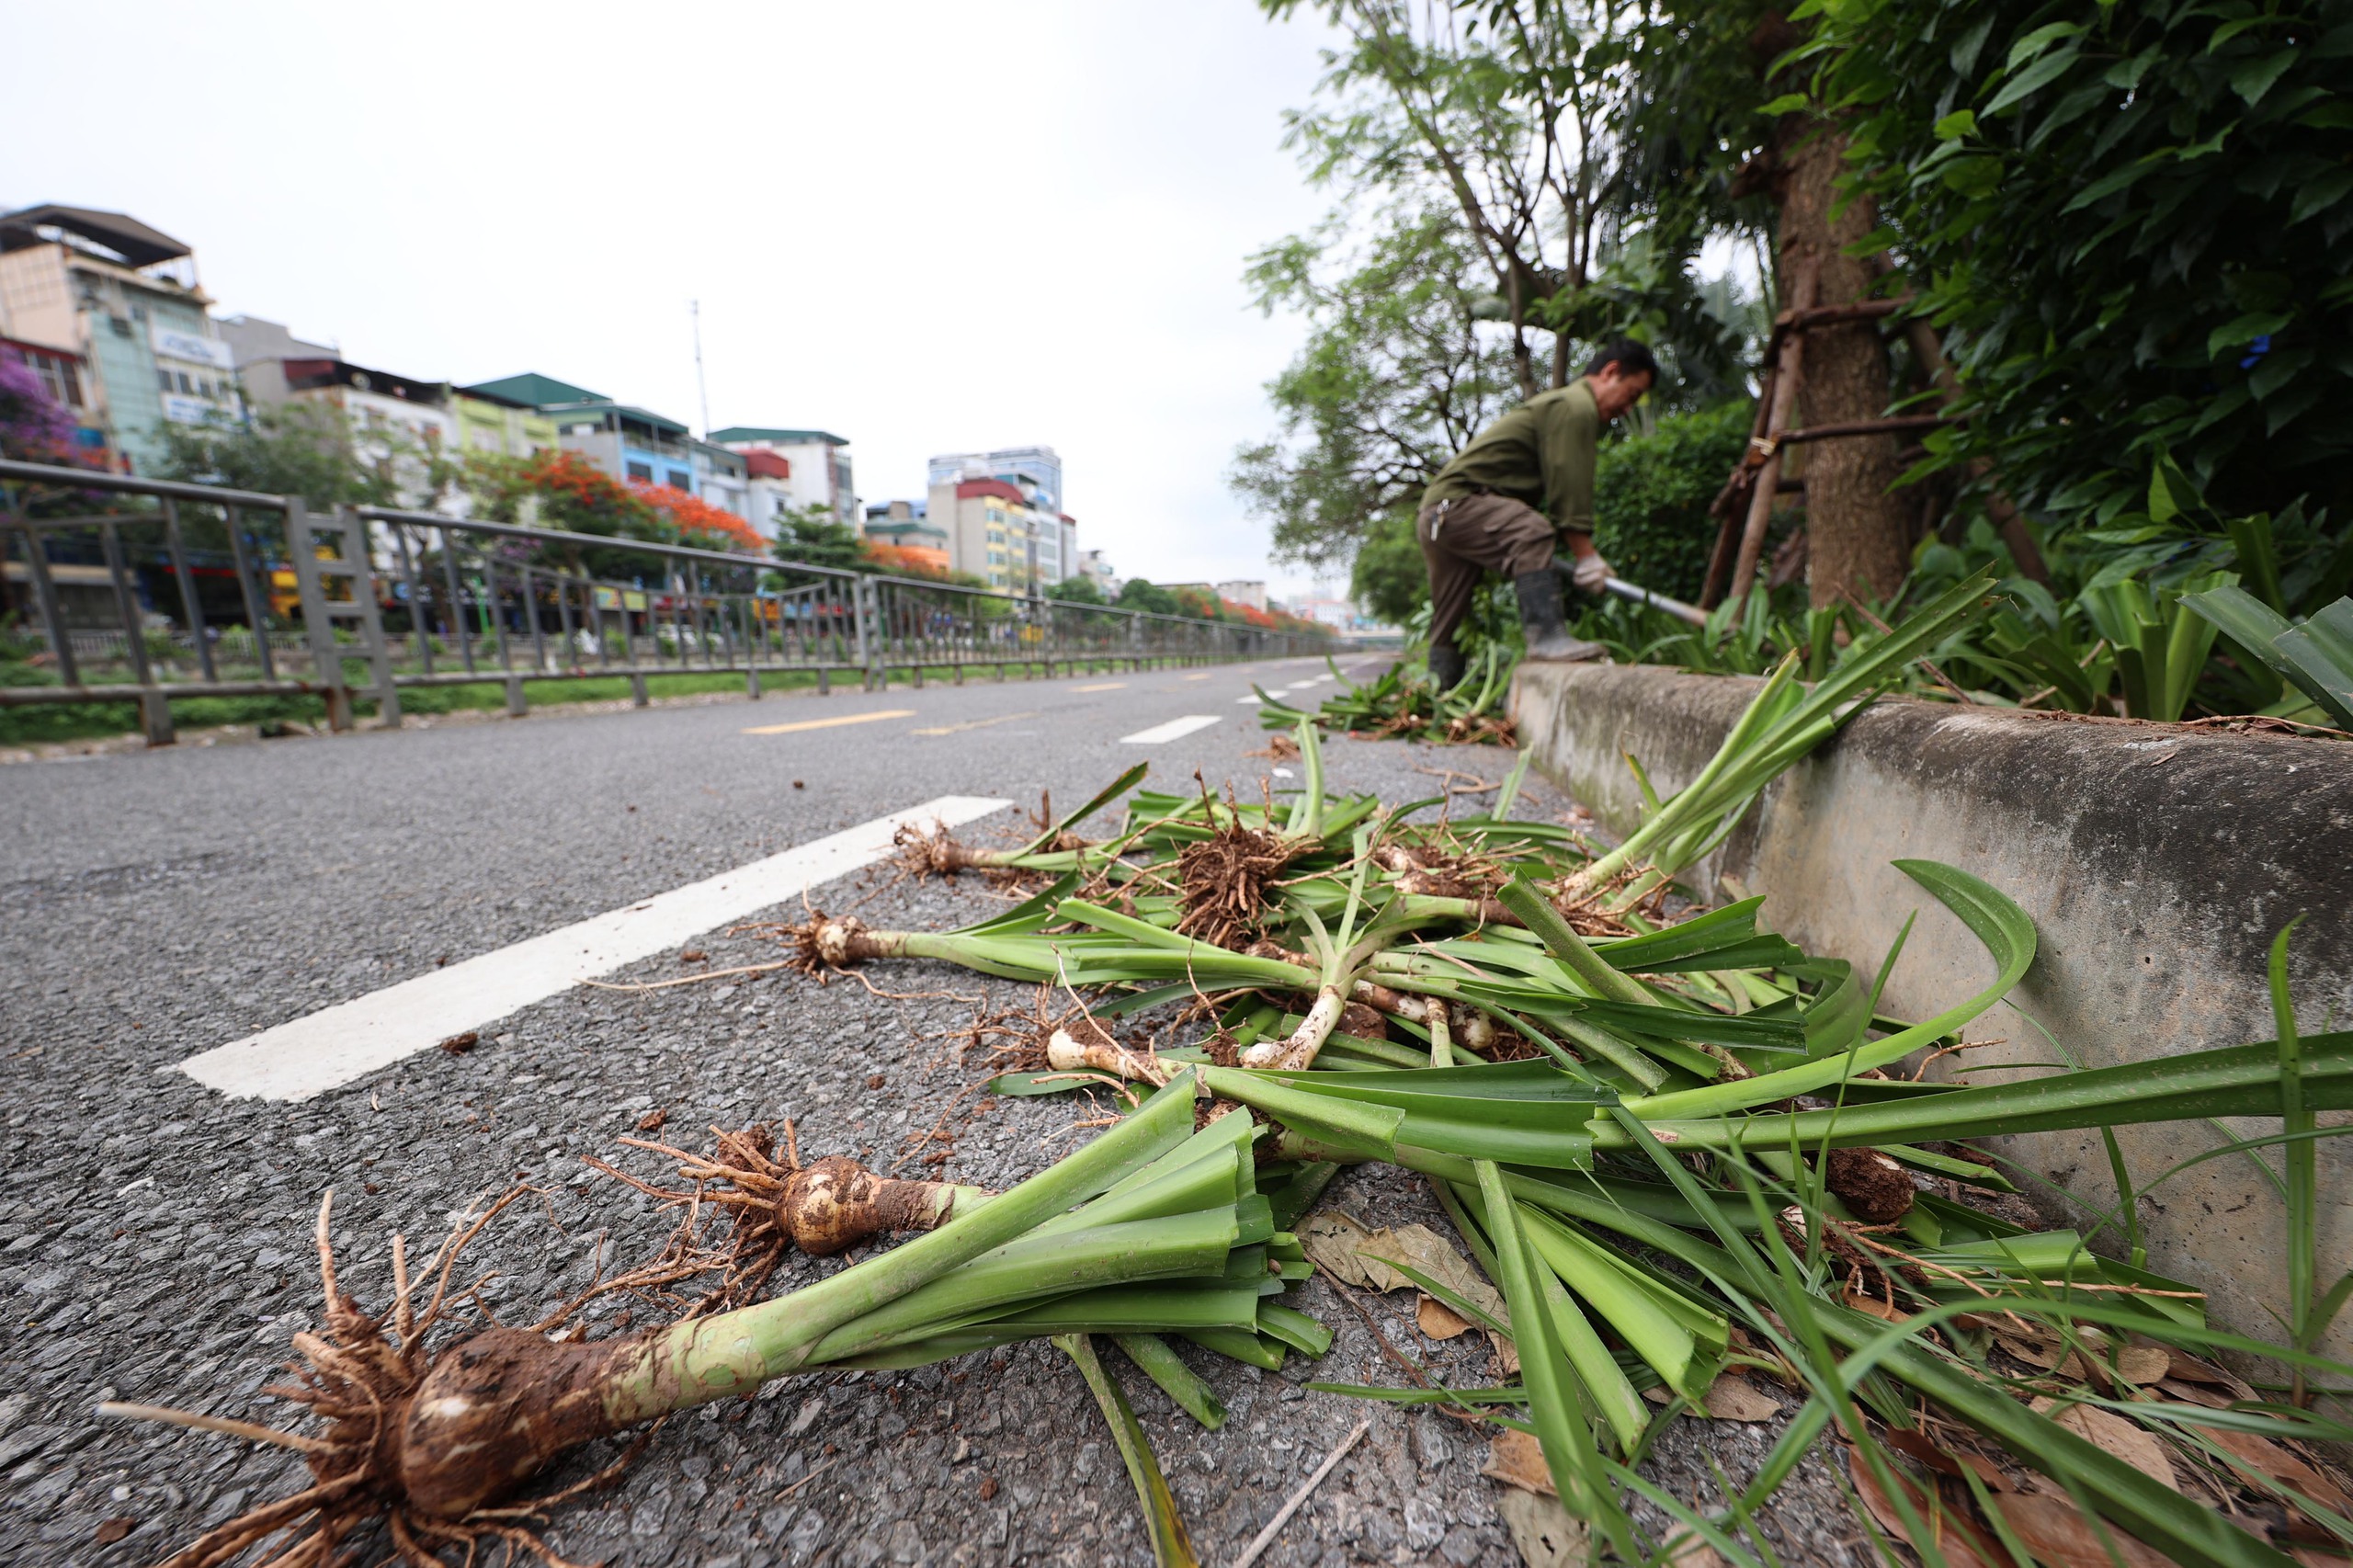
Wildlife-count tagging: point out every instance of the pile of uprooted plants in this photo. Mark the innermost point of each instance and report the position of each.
(1682, 1152)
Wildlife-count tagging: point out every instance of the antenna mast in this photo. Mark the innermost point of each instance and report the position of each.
(694, 309)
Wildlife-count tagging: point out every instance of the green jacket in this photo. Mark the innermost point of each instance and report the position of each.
(1541, 452)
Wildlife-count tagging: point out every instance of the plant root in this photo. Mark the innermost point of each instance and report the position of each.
(774, 1206)
(384, 1406)
(823, 945)
(1224, 879)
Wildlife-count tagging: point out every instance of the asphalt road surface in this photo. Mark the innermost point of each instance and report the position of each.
(155, 1218)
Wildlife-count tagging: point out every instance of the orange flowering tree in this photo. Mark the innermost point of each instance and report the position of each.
(690, 521)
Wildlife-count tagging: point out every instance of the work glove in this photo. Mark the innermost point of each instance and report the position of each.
(1590, 572)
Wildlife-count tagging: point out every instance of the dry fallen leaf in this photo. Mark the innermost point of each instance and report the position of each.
(113, 1530)
(1342, 1248)
(1877, 1308)
(2056, 1531)
(1962, 1544)
(2280, 1464)
(2127, 1440)
(1733, 1398)
(1543, 1530)
(2050, 1355)
(1518, 1460)
(2191, 1393)
(2143, 1364)
(1947, 1461)
(1686, 1548)
(1437, 1320)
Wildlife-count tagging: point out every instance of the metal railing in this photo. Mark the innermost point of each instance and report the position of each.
(197, 590)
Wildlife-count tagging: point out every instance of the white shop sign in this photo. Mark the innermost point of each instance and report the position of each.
(194, 348)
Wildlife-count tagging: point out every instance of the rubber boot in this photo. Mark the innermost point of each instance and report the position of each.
(1446, 665)
(1540, 621)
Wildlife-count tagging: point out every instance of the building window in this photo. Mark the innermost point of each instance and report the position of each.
(642, 472)
(163, 380)
(681, 481)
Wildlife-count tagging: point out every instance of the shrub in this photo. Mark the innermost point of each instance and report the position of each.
(1651, 496)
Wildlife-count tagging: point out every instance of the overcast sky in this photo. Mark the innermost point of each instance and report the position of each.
(927, 227)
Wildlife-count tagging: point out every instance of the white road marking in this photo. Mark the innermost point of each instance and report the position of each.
(335, 1045)
(1251, 696)
(1176, 729)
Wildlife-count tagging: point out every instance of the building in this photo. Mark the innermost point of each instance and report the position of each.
(1243, 591)
(251, 338)
(486, 424)
(724, 479)
(124, 300)
(65, 376)
(398, 425)
(903, 534)
(1002, 535)
(623, 440)
(816, 469)
(1034, 470)
(1097, 570)
(1339, 614)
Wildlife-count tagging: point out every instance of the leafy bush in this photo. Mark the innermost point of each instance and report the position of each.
(1651, 496)
(2130, 222)
(1389, 576)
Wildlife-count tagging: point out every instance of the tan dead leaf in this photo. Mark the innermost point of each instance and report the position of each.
(1919, 1446)
(2144, 1363)
(1437, 1320)
(1543, 1530)
(1657, 1393)
(1517, 1459)
(2127, 1440)
(2280, 1465)
(2191, 1393)
(1862, 1303)
(2191, 1369)
(1686, 1548)
(1330, 1240)
(2314, 1557)
(1962, 1544)
(2050, 1355)
(1733, 1398)
(2056, 1531)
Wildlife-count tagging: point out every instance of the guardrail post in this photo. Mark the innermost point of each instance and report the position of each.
(362, 566)
(637, 694)
(326, 659)
(155, 718)
(751, 683)
(515, 706)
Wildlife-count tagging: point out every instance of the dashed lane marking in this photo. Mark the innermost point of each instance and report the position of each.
(1176, 729)
(1251, 697)
(830, 723)
(1105, 686)
(973, 724)
(335, 1045)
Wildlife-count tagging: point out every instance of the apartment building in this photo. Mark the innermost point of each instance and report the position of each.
(124, 301)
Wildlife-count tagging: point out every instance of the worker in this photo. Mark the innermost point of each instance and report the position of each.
(1522, 484)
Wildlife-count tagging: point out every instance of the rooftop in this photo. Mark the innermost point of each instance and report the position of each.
(744, 434)
(125, 236)
(535, 390)
(302, 375)
(660, 423)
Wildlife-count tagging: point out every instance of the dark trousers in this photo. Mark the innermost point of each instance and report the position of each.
(1463, 538)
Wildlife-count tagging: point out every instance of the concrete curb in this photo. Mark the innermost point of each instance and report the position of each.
(2157, 862)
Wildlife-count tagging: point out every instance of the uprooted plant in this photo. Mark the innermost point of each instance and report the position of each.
(1169, 1235)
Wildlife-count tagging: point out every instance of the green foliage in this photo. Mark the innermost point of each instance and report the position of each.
(1390, 578)
(2130, 222)
(1138, 594)
(302, 450)
(1392, 380)
(813, 536)
(1651, 494)
(1076, 591)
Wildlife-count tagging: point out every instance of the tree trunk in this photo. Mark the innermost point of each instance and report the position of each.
(1856, 530)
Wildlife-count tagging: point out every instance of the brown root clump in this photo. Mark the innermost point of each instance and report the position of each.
(1224, 879)
(1480, 730)
(423, 1444)
(775, 1205)
(1878, 1190)
(933, 852)
(823, 945)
